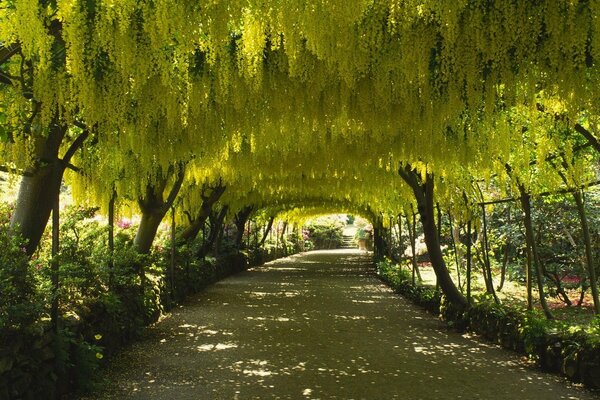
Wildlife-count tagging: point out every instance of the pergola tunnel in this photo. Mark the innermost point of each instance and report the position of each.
(149, 149)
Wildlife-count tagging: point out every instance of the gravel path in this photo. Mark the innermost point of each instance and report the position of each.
(316, 326)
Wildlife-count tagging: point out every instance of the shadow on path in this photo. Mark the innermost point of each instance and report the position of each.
(316, 326)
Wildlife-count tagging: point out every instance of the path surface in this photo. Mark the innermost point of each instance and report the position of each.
(317, 326)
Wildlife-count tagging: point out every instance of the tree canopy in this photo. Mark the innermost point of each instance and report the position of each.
(289, 99)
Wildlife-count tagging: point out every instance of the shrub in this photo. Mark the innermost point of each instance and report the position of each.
(325, 232)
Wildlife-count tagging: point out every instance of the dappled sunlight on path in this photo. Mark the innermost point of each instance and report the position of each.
(317, 326)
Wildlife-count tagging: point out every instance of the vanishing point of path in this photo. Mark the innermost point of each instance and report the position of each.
(317, 326)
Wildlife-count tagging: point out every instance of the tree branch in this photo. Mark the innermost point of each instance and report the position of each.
(175, 189)
(10, 170)
(76, 145)
(6, 52)
(544, 194)
(592, 140)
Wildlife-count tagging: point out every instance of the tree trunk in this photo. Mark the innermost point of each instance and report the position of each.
(283, 231)
(400, 233)
(589, 254)
(190, 233)
(469, 260)
(54, 263)
(532, 254)
(455, 235)
(240, 220)
(154, 208)
(147, 230)
(412, 237)
(390, 239)
(582, 293)
(39, 188)
(172, 263)
(249, 233)
(486, 258)
(424, 193)
(504, 265)
(378, 241)
(219, 238)
(266, 232)
(111, 239)
(506, 256)
(216, 225)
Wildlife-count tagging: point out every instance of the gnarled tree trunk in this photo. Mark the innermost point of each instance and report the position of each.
(40, 185)
(153, 208)
(216, 224)
(198, 222)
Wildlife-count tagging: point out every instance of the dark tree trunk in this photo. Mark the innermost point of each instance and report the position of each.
(40, 184)
(588, 136)
(378, 241)
(216, 225)
(38, 189)
(489, 282)
(153, 208)
(111, 239)
(283, 231)
(54, 264)
(266, 232)
(424, 193)
(222, 229)
(469, 260)
(380, 245)
(400, 232)
(173, 251)
(197, 223)
(532, 255)
(240, 220)
(589, 254)
(412, 237)
(504, 265)
(506, 256)
(454, 235)
(390, 239)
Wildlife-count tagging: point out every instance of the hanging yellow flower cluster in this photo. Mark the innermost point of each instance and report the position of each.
(287, 100)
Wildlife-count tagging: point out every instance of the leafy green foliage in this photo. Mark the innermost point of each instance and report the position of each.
(400, 279)
(19, 305)
(325, 232)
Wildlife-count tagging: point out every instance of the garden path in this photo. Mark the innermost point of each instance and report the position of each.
(317, 326)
